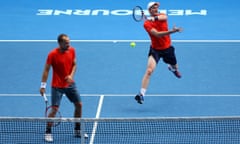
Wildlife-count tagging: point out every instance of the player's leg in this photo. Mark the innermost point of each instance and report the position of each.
(149, 70)
(170, 58)
(77, 114)
(174, 69)
(56, 96)
(74, 96)
(153, 58)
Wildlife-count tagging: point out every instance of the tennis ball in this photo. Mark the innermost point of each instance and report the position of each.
(132, 44)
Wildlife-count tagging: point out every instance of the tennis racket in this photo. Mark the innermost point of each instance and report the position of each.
(50, 113)
(138, 14)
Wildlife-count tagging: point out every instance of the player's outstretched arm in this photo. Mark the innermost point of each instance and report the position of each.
(160, 17)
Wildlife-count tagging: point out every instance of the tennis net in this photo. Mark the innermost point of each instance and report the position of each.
(201, 130)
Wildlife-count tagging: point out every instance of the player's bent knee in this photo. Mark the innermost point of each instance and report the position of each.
(149, 71)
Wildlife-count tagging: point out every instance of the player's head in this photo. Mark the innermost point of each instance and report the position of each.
(63, 41)
(153, 8)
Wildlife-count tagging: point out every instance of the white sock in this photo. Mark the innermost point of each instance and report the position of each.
(143, 91)
(172, 69)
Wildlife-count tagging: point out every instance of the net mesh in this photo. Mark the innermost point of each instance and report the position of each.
(219, 130)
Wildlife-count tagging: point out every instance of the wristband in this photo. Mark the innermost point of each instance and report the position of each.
(43, 85)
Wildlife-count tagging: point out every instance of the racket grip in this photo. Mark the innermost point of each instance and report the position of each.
(45, 97)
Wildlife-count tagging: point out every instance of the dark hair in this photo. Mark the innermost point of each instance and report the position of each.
(59, 39)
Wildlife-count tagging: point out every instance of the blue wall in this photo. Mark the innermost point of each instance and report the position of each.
(21, 19)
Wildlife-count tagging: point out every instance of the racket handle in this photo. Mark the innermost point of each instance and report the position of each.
(45, 98)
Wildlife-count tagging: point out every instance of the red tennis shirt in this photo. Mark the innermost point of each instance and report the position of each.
(62, 64)
(163, 42)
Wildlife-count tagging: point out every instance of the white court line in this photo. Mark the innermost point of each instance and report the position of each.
(190, 41)
(127, 95)
(97, 116)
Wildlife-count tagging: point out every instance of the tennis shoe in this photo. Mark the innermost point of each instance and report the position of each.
(139, 98)
(175, 72)
(48, 137)
(77, 133)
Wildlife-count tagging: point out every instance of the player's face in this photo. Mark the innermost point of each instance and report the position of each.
(153, 10)
(65, 43)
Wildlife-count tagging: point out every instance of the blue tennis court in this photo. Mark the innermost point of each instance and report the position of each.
(209, 86)
(110, 71)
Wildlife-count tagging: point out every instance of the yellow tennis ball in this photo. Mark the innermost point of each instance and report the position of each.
(132, 44)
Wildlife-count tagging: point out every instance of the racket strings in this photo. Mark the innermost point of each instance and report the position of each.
(138, 13)
(53, 112)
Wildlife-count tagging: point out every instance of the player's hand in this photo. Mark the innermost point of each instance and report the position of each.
(177, 29)
(42, 91)
(69, 79)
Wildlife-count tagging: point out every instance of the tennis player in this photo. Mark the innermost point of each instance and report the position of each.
(160, 47)
(62, 60)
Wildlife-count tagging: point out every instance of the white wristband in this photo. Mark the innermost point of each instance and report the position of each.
(43, 85)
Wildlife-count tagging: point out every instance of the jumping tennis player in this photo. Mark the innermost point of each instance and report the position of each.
(160, 47)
